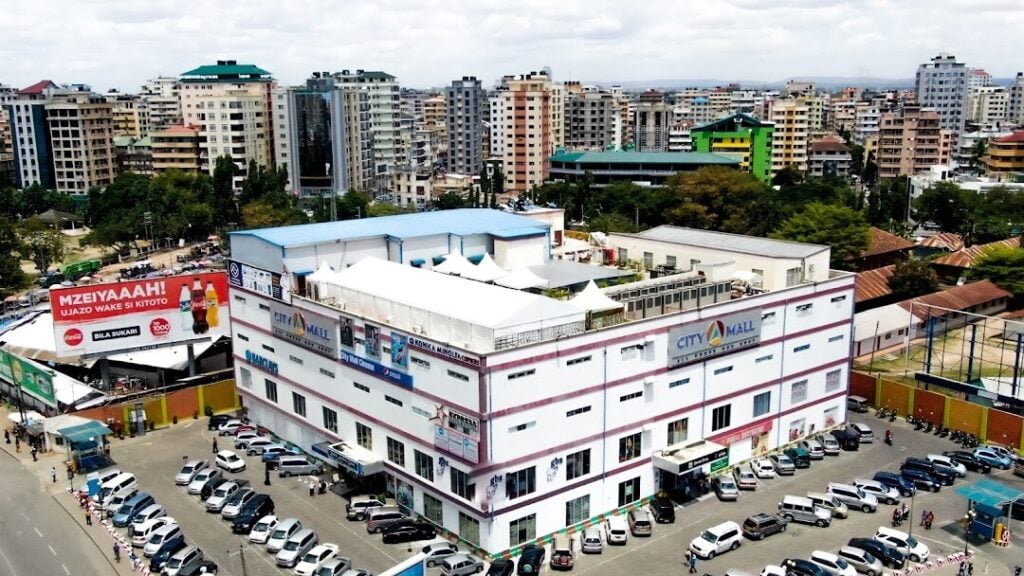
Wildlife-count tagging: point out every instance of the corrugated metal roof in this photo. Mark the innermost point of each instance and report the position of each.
(230, 71)
(943, 240)
(882, 242)
(38, 87)
(873, 284)
(881, 320)
(732, 242)
(960, 297)
(730, 123)
(630, 157)
(965, 257)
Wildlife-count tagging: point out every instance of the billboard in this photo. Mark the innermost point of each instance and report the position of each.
(140, 314)
(255, 279)
(35, 381)
(306, 329)
(706, 339)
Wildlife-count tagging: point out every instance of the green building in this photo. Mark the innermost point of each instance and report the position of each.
(739, 136)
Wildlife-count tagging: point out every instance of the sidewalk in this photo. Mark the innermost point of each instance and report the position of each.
(60, 492)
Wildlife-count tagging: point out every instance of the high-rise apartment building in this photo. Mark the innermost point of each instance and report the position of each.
(385, 121)
(324, 136)
(988, 104)
(131, 115)
(465, 104)
(176, 148)
(162, 99)
(81, 127)
(30, 135)
(522, 108)
(592, 121)
(557, 115)
(230, 103)
(651, 124)
(866, 119)
(909, 141)
(791, 135)
(942, 85)
(1015, 103)
(435, 120)
(739, 136)
(1005, 155)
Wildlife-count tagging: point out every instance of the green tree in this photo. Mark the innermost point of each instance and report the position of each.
(978, 153)
(948, 206)
(497, 187)
(43, 248)
(116, 213)
(265, 213)
(12, 277)
(610, 223)
(448, 201)
(387, 209)
(842, 228)
(887, 204)
(717, 198)
(998, 213)
(1003, 265)
(913, 278)
(222, 200)
(354, 204)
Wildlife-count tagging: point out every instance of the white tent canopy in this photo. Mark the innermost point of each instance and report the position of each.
(592, 299)
(323, 273)
(454, 263)
(486, 270)
(521, 278)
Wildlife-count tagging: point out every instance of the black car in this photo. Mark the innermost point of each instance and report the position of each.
(216, 420)
(801, 567)
(259, 506)
(922, 480)
(969, 460)
(894, 480)
(946, 477)
(210, 486)
(531, 560)
(761, 525)
(848, 440)
(890, 557)
(663, 509)
(204, 566)
(501, 567)
(169, 548)
(408, 532)
(1015, 512)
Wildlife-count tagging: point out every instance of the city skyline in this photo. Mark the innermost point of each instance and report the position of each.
(113, 44)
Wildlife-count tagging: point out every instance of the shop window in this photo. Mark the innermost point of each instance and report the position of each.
(469, 529)
(433, 509)
(678, 431)
(521, 483)
(364, 436)
(522, 530)
(762, 403)
(798, 392)
(577, 510)
(629, 491)
(271, 387)
(424, 465)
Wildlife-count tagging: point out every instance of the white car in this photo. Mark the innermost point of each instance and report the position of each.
(242, 438)
(141, 533)
(832, 564)
(947, 462)
(228, 428)
(903, 542)
(762, 468)
(773, 570)
(261, 530)
(189, 471)
(716, 540)
(230, 461)
(200, 480)
(148, 513)
(256, 446)
(315, 558)
(163, 534)
(881, 492)
(436, 553)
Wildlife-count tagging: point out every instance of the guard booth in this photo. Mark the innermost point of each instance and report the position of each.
(87, 445)
(988, 499)
(684, 468)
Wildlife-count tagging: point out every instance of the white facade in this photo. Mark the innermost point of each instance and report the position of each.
(988, 104)
(385, 120)
(534, 435)
(942, 85)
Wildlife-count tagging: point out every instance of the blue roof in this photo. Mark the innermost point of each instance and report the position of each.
(989, 492)
(460, 222)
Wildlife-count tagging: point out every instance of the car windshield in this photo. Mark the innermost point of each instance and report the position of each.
(709, 536)
(260, 527)
(174, 563)
(912, 542)
(310, 558)
(842, 563)
(278, 534)
(868, 558)
(784, 459)
(727, 484)
(222, 492)
(186, 470)
(291, 545)
(231, 458)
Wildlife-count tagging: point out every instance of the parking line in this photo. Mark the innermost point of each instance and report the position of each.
(8, 562)
(38, 533)
(52, 551)
(66, 571)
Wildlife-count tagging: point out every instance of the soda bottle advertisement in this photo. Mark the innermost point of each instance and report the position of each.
(140, 314)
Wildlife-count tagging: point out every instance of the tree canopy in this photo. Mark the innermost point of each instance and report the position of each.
(1003, 265)
(841, 227)
(912, 278)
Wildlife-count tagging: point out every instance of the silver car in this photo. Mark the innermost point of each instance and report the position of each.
(881, 492)
(189, 470)
(783, 465)
(234, 504)
(861, 560)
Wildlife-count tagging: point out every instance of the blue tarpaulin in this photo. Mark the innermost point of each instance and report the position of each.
(989, 493)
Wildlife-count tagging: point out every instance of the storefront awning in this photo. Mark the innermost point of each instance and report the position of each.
(355, 459)
(682, 458)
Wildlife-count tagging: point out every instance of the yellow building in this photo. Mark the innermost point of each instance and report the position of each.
(1006, 154)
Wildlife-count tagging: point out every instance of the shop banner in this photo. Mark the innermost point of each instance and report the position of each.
(35, 381)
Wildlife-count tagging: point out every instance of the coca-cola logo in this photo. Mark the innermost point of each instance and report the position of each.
(159, 327)
(73, 337)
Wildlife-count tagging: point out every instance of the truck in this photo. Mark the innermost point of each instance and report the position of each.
(76, 270)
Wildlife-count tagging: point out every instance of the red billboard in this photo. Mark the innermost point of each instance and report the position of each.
(139, 314)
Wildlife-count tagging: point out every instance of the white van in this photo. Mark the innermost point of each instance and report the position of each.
(800, 509)
(116, 500)
(615, 530)
(117, 485)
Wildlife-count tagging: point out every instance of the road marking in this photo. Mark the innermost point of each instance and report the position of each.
(52, 551)
(38, 533)
(66, 571)
(8, 562)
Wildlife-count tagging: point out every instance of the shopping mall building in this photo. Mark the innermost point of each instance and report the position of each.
(503, 414)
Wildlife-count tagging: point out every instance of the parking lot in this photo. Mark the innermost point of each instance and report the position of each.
(156, 458)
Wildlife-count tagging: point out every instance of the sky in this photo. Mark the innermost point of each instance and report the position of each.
(427, 43)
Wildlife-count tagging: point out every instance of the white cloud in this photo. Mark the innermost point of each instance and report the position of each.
(121, 43)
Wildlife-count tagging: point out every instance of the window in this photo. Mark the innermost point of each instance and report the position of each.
(394, 401)
(763, 359)
(522, 530)
(678, 431)
(458, 375)
(522, 374)
(798, 391)
(802, 348)
(295, 359)
(433, 509)
(670, 261)
(579, 360)
(359, 386)
(271, 390)
(299, 404)
(768, 318)
(723, 370)
(521, 483)
(421, 412)
(243, 337)
(420, 362)
(838, 299)
(396, 452)
(721, 417)
(246, 378)
(577, 464)
(680, 382)
(648, 260)
(804, 307)
(835, 338)
(327, 373)
(424, 465)
(462, 485)
(577, 510)
(832, 382)
(762, 403)
(627, 397)
(268, 348)
(364, 436)
(577, 411)
(330, 419)
(629, 491)
(629, 447)
(469, 528)
(521, 427)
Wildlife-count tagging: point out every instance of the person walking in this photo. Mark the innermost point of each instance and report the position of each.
(215, 445)
(88, 518)
(117, 553)
(7, 436)
(312, 488)
(693, 562)
(929, 520)
(924, 517)
(53, 474)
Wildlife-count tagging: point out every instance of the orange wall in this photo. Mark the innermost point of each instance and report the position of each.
(929, 405)
(863, 385)
(183, 404)
(966, 416)
(220, 396)
(1004, 428)
(894, 395)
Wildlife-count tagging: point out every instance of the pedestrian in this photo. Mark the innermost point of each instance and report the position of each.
(53, 474)
(323, 487)
(88, 517)
(904, 511)
(7, 436)
(214, 445)
(34, 452)
(117, 552)
(928, 522)
(312, 488)
(924, 517)
(693, 563)
(17, 444)
(895, 518)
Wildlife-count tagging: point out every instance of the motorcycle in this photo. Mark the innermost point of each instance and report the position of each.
(944, 433)
(892, 415)
(888, 437)
(928, 428)
(919, 424)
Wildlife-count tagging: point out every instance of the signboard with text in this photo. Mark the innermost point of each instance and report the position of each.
(376, 369)
(456, 444)
(304, 328)
(255, 280)
(139, 314)
(22, 373)
(706, 339)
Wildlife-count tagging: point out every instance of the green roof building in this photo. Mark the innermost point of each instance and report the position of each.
(739, 136)
(652, 168)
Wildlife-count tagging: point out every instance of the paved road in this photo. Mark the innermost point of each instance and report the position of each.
(37, 535)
